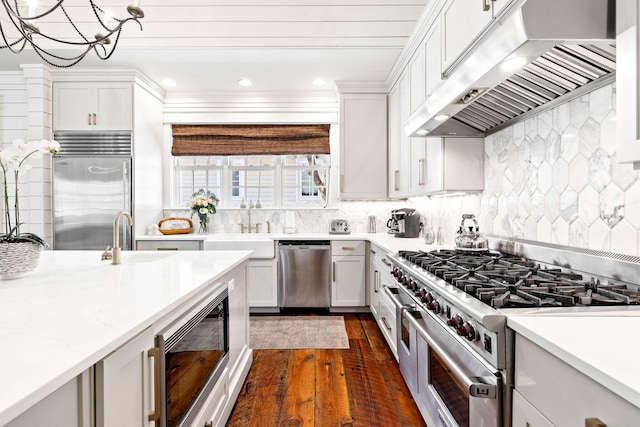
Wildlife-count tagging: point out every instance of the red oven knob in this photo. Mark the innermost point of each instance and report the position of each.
(428, 298)
(420, 292)
(413, 285)
(435, 306)
(456, 321)
(468, 331)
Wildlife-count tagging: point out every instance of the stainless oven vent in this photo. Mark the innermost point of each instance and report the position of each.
(563, 69)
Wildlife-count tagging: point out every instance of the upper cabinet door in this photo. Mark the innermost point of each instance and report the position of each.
(417, 77)
(363, 146)
(433, 59)
(92, 106)
(114, 107)
(462, 22)
(628, 89)
(71, 106)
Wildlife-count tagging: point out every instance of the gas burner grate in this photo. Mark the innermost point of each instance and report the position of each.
(509, 281)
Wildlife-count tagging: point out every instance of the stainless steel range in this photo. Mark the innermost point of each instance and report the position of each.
(454, 348)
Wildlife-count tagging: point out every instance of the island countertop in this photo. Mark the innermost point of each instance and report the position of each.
(75, 309)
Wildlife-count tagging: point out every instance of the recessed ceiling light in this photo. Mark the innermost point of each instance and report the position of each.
(422, 132)
(245, 82)
(169, 83)
(441, 117)
(514, 63)
(318, 82)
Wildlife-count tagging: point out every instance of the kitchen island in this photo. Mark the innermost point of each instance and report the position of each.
(74, 310)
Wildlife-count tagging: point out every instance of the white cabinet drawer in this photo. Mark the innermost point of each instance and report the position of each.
(169, 245)
(348, 247)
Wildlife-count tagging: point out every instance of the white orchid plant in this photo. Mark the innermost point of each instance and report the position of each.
(13, 159)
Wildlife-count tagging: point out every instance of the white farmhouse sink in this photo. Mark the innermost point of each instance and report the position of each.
(261, 245)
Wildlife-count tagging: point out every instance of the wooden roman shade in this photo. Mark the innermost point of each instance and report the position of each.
(246, 139)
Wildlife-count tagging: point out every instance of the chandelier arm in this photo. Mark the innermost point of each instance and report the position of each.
(10, 46)
(15, 11)
(102, 45)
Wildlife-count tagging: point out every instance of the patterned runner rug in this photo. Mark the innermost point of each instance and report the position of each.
(289, 332)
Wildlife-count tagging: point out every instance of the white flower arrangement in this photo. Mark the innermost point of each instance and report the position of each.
(14, 159)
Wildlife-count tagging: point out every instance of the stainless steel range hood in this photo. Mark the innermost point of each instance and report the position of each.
(568, 46)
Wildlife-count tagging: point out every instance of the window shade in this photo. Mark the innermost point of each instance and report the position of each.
(246, 139)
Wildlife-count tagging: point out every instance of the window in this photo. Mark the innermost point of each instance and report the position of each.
(270, 180)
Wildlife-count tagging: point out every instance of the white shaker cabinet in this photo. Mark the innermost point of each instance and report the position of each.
(396, 152)
(627, 81)
(462, 22)
(363, 146)
(70, 406)
(125, 384)
(454, 164)
(92, 106)
(433, 58)
(348, 273)
(541, 379)
(262, 283)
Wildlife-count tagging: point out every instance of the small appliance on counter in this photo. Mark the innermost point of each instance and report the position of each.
(404, 222)
(471, 240)
(339, 226)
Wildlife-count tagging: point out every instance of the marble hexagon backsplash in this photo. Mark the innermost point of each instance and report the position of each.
(555, 178)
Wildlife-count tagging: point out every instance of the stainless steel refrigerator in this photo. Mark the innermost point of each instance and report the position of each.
(91, 184)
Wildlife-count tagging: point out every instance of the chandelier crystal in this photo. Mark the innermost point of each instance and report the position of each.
(20, 28)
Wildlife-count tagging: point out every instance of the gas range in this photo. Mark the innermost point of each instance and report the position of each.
(453, 307)
(472, 293)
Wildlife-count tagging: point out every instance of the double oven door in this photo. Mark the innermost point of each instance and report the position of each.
(452, 386)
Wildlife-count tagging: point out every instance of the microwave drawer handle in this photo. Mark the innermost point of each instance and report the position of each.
(154, 415)
(476, 388)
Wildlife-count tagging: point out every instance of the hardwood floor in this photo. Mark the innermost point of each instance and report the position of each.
(359, 386)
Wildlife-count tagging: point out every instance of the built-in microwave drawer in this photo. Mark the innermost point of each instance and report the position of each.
(348, 247)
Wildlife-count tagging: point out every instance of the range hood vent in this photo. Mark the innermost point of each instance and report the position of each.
(568, 48)
(561, 70)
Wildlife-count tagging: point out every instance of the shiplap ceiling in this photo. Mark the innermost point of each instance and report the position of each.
(278, 44)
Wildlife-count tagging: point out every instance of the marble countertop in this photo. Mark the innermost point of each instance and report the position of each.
(601, 345)
(387, 241)
(75, 309)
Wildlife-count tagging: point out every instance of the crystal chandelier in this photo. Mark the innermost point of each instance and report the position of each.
(19, 29)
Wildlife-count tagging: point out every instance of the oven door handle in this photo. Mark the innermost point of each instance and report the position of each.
(475, 385)
(154, 353)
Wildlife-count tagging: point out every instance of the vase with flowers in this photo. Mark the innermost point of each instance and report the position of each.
(203, 203)
(19, 252)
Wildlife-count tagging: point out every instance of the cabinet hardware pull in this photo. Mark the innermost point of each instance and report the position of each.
(347, 248)
(376, 280)
(396, 175)
(593, 422)
(421, 173)
(154, 353)
(485, 6)
(167, 249)
(373, 252)
(385, 262)
(386, 325)
(334, 271)
(89, 119)
(94, 119)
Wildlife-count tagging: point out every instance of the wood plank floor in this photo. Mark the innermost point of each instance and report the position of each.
(359, 386)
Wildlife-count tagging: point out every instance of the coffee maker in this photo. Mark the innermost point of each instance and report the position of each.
(404, 223)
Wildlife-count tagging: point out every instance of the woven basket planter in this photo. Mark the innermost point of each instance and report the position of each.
(18, 259)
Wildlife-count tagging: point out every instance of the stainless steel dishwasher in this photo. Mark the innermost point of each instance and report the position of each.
(304, 274)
